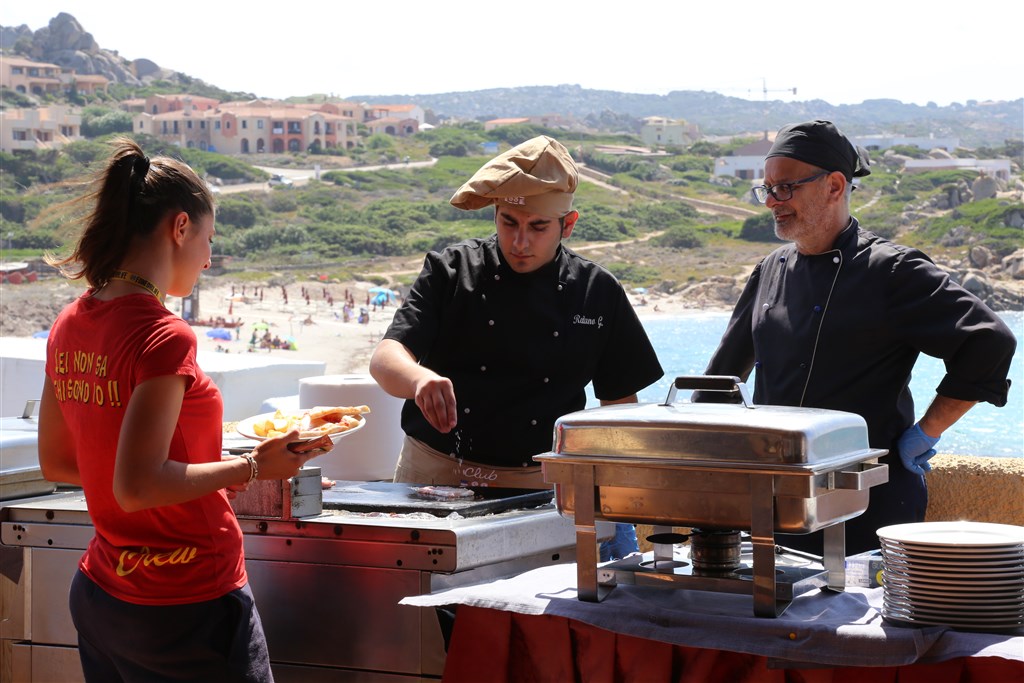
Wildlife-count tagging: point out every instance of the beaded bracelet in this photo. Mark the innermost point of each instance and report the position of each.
(254, 469)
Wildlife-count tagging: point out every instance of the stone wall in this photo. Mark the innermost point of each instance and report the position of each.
(968, 487)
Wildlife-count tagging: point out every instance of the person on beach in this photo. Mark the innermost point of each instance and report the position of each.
(161, 593)
(499, 337)
(837, 318)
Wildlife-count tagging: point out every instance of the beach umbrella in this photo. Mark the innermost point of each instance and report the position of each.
(219, 333)
(260, 326)
(383, 294)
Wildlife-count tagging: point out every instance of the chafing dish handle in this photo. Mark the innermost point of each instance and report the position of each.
(726, 383)
(866, 475)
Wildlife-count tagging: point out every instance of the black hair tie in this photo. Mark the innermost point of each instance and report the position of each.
(141, 165)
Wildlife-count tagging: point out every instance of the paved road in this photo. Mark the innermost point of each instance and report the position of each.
(301, 176)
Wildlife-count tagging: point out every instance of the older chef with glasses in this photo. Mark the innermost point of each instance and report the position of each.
(837, 318)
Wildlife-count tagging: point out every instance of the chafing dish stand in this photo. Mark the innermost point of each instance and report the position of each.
(719, 467)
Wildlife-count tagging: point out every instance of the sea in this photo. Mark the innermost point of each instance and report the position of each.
(685, 343)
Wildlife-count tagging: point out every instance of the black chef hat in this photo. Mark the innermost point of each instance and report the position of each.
(819, 143)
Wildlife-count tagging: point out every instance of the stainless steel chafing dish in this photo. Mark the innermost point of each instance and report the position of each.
(722, 468)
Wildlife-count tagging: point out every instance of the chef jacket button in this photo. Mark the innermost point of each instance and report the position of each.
(835, 259)
(817, 309)
(483, 368)
(526, 464)
(782, 259)
(765, 306)
(533, 423)
(803, 366)
(466, 411)
(546, 380)
(559, 287)
(497, 276)
(491, 323)
(556, 333)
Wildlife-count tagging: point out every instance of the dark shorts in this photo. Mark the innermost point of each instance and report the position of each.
(215, 640)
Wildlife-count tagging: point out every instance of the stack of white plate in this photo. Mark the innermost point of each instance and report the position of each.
(964, 574)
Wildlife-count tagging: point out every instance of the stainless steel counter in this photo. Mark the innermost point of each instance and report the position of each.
(327, 586)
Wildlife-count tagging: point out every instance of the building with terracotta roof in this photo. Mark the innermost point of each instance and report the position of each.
(251, 127)
(498, 123)
(39, 128)
(391, 125)
(660, 131)
(394, 111)
(30, 77)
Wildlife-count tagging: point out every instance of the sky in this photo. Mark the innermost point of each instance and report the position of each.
(844, 53)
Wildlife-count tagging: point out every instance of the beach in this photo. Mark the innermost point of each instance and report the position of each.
(306, 315)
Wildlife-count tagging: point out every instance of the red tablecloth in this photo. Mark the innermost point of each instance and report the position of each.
(499, 646)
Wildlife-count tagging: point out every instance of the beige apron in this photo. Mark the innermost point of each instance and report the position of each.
(421, 464)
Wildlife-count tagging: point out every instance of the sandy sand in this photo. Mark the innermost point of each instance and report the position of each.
(316, 326)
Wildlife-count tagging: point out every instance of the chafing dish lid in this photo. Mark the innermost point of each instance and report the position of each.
(712, 432)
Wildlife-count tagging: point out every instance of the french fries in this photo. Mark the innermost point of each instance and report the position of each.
(312, 423)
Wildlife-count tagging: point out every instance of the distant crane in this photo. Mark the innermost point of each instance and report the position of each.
(765, 91)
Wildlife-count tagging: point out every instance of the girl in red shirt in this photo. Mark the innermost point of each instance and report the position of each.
(161, 592)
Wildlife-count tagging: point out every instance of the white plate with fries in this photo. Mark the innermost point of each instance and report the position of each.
(312, 423)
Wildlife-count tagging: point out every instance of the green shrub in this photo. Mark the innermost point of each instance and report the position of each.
(660, 215)
(692, 162)
(240, 212)
(597, 226)
(631, 272)
(358, 239)
(396, 216)
(282, 201)
(759, 228)
(930, 180)
(681, 237)
(380, 142)
(987, 222)
(98, 121)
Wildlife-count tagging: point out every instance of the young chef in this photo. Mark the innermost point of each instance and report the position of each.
(500, 336)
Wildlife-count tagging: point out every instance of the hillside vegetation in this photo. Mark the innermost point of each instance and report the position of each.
(349, 218)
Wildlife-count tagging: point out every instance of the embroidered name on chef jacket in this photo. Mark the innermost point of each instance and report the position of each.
(584, 320)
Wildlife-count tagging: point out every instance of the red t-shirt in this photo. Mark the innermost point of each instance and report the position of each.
(96, 354)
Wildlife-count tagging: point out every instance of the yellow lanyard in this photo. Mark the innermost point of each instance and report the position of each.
(140, 281)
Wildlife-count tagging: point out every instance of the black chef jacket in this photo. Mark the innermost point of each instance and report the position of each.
(518, 348)
(842, 330)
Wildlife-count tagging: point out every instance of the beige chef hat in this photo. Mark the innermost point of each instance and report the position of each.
(537, 176)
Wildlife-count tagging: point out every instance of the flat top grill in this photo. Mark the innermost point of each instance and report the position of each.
(378, 496)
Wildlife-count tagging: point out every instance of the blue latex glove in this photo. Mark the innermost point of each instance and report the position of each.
(916, 448)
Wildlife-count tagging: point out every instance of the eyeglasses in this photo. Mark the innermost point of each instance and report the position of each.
(782, 192)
